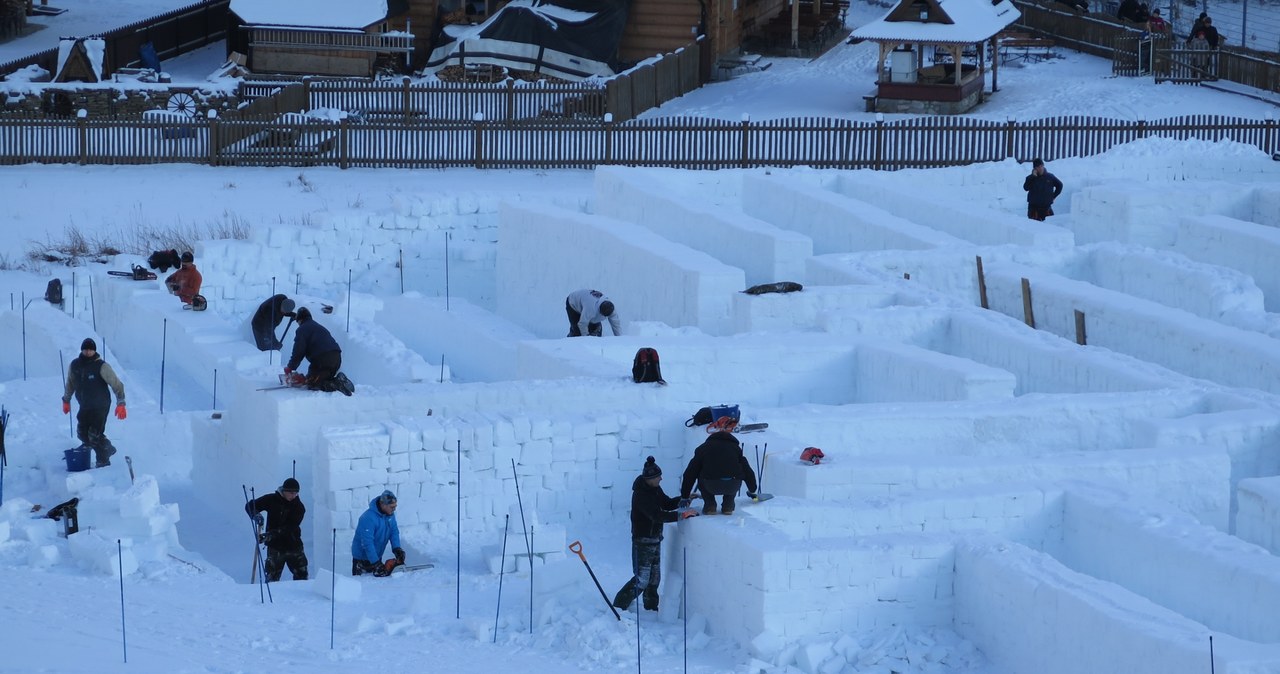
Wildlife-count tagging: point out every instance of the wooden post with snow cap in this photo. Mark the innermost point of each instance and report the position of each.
(478, 160)
(746, 138)
(82, 134)
(1027, 314)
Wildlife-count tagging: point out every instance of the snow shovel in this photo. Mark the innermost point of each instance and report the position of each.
(576, 548)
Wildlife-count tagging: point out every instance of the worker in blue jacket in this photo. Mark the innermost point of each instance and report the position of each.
(376, 528)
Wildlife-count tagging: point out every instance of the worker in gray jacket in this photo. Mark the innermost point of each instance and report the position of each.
(586, 309)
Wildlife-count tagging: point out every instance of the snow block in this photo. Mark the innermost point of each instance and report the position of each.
(40, 531)
(97, 554)
(4, 531)
(141, 498)
(42, 556)
(78, 483)
(342, 588)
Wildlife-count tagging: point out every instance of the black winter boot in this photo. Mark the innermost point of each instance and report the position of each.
(651, 599)
(625, 596)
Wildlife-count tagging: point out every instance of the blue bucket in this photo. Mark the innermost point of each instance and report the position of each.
(77, 459)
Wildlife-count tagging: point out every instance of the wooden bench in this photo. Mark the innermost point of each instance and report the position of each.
(1029, 49)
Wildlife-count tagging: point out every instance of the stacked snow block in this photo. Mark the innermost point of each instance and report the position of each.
(1150, 217)
(530, 542)
(1247, 247)
(1194, 347)
(835, 223)
(579, 468)
(1134, 586)
(796, 590)
(544, 253)
(983, 226)
(1166, 556)
(764, 252)
(480, 345)
(892, 372)
(805, 311)
(1189, 477)
(1258, 514)
(134, 514)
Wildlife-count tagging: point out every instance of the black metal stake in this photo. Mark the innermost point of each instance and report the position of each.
(348, 300)
(124, 640)
(333, 589)
(506, 529)
(457, 613)
(447, 236)
(93, 309)
(215, 388)
(164, 345)
(271, 357)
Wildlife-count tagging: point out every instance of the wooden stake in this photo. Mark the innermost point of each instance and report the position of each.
(982, 285)
(1028, 315)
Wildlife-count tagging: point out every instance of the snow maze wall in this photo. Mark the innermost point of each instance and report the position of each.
(1066, 508)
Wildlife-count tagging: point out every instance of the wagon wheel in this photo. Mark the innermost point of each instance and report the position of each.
(182, 103)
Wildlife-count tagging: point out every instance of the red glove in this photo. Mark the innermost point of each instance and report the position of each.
(120, 413)
(66, 407)
(689, 513)
(288, 371)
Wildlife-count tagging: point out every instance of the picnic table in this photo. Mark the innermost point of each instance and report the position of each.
(1026, 49)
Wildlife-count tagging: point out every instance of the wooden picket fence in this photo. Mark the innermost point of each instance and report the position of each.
(692, 143)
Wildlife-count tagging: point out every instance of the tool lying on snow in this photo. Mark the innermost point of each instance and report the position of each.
(139, 273)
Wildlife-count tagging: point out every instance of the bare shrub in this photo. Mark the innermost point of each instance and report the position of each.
(140, 236)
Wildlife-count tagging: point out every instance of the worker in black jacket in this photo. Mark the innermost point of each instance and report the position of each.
(719, 468)
(650, 509)
(283, 532)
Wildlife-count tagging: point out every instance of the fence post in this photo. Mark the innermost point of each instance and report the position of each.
(82, 134)
(746, 132)
(608, 138)
(1009, 127)
(511, 99)
(877, 149)
(343, 157)
(1142, 129)
(479, 146)
(405, 97)
(1268, 136)
(982, 285)
(1027, 314)
(306, 94)
(214, 125)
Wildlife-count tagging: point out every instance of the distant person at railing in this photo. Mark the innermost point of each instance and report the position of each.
(1156, 23)
(1210, 33)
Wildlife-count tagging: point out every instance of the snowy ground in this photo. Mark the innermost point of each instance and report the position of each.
(1174, 400)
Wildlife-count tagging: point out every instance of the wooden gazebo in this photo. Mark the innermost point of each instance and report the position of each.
(916, 31)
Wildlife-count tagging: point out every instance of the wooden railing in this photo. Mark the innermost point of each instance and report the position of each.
(541, 143)
(332, 39)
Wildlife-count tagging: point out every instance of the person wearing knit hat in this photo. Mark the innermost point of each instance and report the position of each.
(186, 282)
(650, 509)
(283, 530)
(719, 468)
(377, 527)
(91, 380)
(587, 310)
(1042, 188)
(316, 344)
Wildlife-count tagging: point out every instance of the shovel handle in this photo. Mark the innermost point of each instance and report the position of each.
(576, 548)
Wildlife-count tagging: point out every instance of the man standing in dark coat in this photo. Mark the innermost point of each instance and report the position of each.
(283, 533)
(650, 509)
(719, 467)
(1042, 188)
(91, 380)
(313, 342)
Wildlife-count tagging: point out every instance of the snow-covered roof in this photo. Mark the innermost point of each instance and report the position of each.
(971, 21)
(317, 13)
